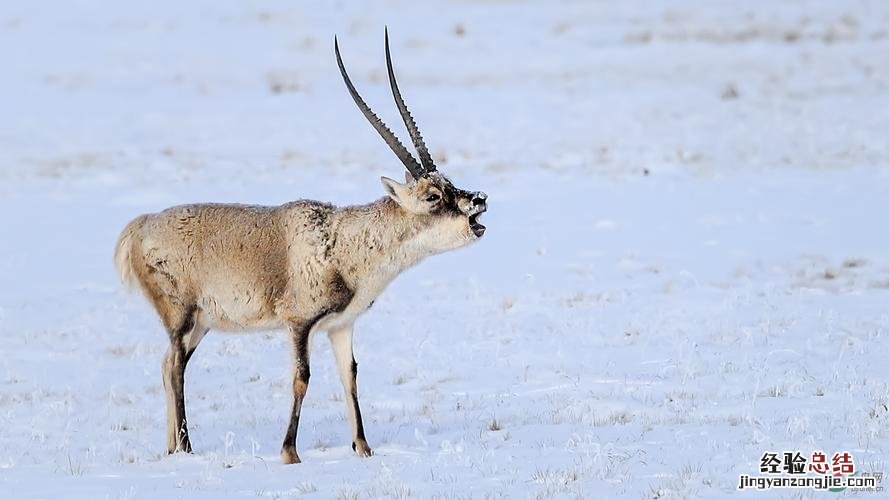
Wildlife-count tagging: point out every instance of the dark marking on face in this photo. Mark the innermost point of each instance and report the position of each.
(450, 195)
(453, 201)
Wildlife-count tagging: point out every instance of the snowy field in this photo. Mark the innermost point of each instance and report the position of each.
(686, 263)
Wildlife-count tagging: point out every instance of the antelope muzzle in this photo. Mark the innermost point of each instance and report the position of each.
(478, 205)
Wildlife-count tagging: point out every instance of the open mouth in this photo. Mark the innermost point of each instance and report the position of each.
(477, 229)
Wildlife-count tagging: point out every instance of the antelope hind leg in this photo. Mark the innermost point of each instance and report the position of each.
(299, 333)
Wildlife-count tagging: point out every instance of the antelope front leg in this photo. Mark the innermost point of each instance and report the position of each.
(300, 336)
(341, 340)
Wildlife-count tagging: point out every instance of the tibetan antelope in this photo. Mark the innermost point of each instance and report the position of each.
(304, 265)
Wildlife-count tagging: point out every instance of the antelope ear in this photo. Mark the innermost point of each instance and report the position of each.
(408, 178)
(397, 191)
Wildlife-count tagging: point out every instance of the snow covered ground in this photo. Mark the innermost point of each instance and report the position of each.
(686, 264)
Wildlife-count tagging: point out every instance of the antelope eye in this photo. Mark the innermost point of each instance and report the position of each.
(432, 198)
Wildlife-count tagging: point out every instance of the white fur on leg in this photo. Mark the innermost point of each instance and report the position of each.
(341, 341)
(167, 376)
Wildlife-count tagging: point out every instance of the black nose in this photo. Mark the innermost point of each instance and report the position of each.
(478, 203)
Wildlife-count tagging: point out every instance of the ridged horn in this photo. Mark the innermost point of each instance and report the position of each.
(412, 129)
(392, 141)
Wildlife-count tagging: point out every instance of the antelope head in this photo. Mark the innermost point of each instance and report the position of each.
(448, 213)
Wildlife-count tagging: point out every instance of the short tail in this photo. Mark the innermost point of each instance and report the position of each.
(123, 252)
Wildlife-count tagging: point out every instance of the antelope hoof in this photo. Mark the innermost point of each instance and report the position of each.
(180, 448)
(362, 449)
(289, 456)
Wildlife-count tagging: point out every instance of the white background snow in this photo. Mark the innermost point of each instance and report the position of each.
(686, 264)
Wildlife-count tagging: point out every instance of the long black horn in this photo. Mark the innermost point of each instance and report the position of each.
(397, 147)
(416, 138)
